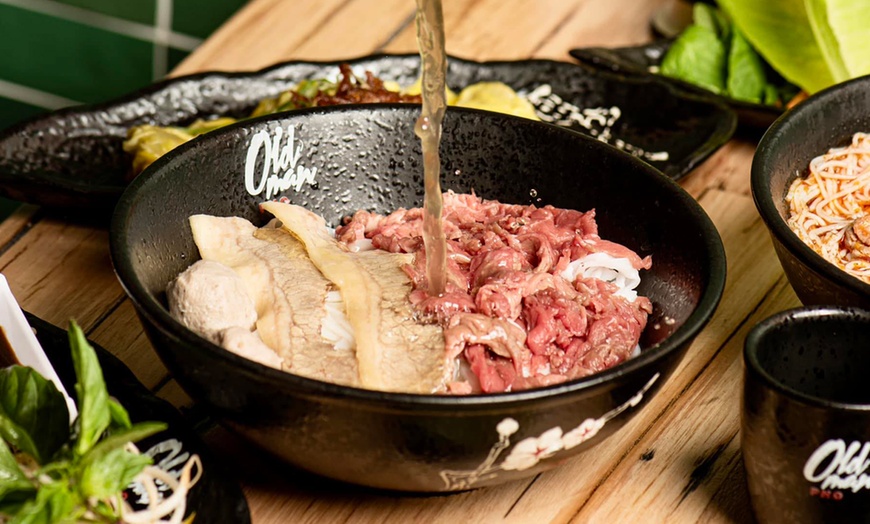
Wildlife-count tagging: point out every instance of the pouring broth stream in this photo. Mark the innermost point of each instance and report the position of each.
(430, 39)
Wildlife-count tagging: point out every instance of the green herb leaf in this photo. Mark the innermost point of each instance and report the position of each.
(112, 472)
(54, 502)
(746, 78)
(93, 399)
(697, 56)
(33, 413)
(108, 468)
(117, 440)
(14, 485)
(310, 88)
(120, 417)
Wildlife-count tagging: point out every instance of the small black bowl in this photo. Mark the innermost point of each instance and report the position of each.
(825, 120)
(805, 401)
(368, 157)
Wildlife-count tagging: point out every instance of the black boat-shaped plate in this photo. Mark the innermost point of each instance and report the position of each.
(641, 61)
(73, 158)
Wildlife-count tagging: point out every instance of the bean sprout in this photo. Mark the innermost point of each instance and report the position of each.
(160, 507)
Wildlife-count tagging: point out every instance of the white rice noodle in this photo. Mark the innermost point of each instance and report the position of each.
(602, 266)
(336, 328)
(364, 244)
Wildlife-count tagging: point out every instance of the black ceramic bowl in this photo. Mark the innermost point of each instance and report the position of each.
(805, 399)
(369, 157)
(825, 120)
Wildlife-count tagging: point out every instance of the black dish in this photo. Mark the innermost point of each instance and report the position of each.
(368, 157)
(214, 498)
(73, 158)
(638, 60)
(825, 120)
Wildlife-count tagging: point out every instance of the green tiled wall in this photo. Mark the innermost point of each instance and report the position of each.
(13, 110)
(141, 11)
(90, 64)
(90, 50)
(200, 17)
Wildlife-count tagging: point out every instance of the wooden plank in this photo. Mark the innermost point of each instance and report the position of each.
(121, 333)
(60, 271)
(727, 169)
(271, 31)
(261, 34)
(175, 395)
(479, 31)
(614, 23)
(361, 27)
(16, 224)
(694, 447)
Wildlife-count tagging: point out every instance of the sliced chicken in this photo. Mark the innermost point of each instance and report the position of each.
(395, 351)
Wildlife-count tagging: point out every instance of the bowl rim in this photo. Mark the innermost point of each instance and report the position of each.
(763, 197)
(159, 317)
(799, 314)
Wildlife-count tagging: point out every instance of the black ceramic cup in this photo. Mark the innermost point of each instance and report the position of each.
(806, 416)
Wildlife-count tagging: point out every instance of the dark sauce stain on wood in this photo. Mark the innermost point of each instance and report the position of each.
(646, 457)
(702, 471)
(7, 355)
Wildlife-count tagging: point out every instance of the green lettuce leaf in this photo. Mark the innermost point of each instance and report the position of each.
(817, 13)
(746, 78)
(849, 20)
(697, 56)
(708, 16)
(780, 30)
(812, 43)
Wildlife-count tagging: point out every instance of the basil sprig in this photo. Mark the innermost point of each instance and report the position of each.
(51, 472)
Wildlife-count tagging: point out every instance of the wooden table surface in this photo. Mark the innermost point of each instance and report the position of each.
(678, 460)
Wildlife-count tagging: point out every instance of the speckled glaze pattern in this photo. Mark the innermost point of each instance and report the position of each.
(637, 60)
(806, 384)
(825, 120)
(215, 498)
(369, 157)
(73, 158)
